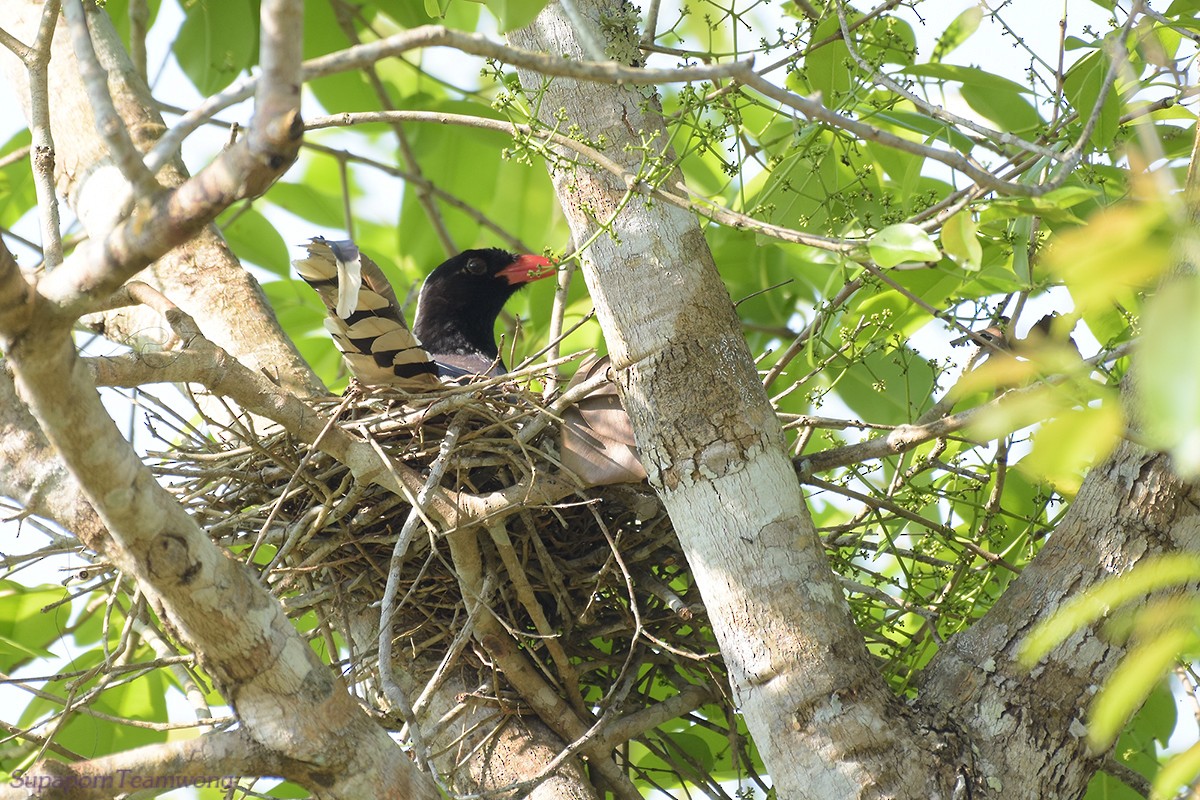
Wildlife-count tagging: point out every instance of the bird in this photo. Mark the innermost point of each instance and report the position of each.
(456, 313)
(597, 435)
(364, 317)
(455, 341)
(1049, 333)
(993, 334)
(459, 303)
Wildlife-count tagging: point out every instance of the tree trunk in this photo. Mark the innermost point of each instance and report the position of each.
(713, 448)
(824, 722)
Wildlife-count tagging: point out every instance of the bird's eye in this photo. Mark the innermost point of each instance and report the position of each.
(475, 266)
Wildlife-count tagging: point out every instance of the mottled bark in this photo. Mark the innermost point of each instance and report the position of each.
(1027, 727)
(821, 715)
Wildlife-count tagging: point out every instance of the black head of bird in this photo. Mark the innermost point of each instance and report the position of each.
(459, 304)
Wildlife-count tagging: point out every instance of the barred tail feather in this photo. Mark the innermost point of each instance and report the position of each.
(365, 318)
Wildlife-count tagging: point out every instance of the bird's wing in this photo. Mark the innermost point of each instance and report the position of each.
(365, 318)
(597, 436)
(454, 367)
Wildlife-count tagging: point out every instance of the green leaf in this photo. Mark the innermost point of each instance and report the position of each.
(18, 196)
(14, 651)
(1007, 108)
(960, 240)
(1168, 385)
(217, 41)
(958, 32)
(252, 238)
(1178, 773)
(513, 14)
(897, 244)
(118, 12)
(967, 76)
(1023, 230)
(1082, 85)
(889, 388)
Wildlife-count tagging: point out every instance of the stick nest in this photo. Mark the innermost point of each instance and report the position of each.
(593, 588)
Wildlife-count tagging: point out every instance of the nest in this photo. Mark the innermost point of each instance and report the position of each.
(593, 587)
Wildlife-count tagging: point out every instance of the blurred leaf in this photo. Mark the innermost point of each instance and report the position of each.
(897, 244)
(1120, 249)
(1157, 44)
(217, 41)
(1168, 385)
(960, 240)
(23, 620)
(1066, 446)
(316, 198)
(13, 651)
(342, 91)
(1151, 574)
(957, 32)
(1138, 745)
(1016, 411)
(118, 12)
(1177, 774)
(289, 791)
(512, 14)
(1139, 672)
(405, 13)
(142, 699)
(252, 238)
(1082, 85)
(18, 196)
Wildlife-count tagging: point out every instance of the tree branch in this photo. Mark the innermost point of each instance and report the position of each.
(354, 58)
(108, 123)
(209, 760)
